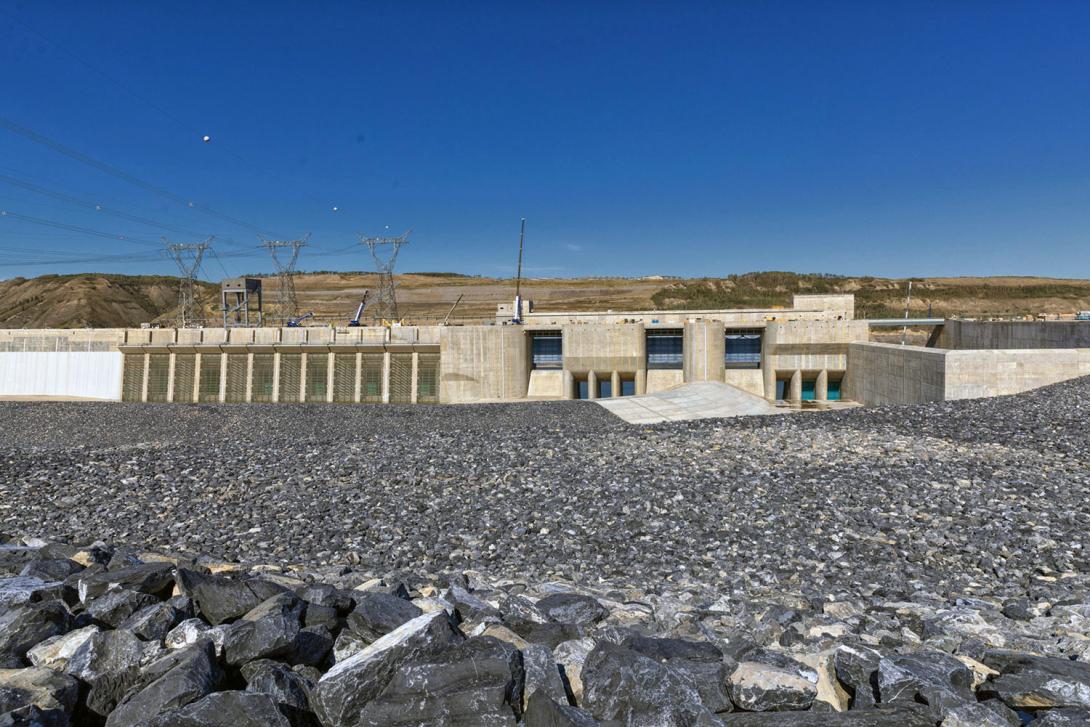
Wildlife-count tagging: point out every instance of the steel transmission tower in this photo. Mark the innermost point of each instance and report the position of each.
(285, 254)
(384, 250)
(187, 256)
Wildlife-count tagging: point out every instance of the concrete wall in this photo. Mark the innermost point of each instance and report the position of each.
(751, 380)
(884, 373)
(832, 306)
(705, 348)
(483, 363)
(604, 349)
(79, 374)
(807, 348)
(663, 379)
(546, 384)
(959, 335)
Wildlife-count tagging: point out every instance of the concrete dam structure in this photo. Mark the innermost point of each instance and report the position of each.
(814, 351)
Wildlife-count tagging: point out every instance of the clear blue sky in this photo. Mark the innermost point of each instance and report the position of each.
(885, 138)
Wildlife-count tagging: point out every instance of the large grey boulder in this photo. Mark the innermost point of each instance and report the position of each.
(759, 687)
(22, 589)
(700, 662)
(170, 682)
(377, 614)
(269, 630)
(55, 652)
(287, 688)
(113, 607)
(479, 681)
(542, 674)
(156, 579)
(224, 709)
(542, 711)
(109, 662)
(153, 622)
(622, 685)
(934, 678)
(221, 599)
(23, 627)
(572, 608)
(344, 691)
(886, 715)
(1027, 681)
(857, 670)
(44, 688)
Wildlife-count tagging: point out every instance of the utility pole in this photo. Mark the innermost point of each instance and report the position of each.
(384, 252)
(187, 256)
(518, 277)
(285, 255)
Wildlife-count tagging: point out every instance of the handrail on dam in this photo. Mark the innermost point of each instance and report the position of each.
(900, 322)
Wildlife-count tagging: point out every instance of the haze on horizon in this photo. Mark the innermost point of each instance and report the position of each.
(691, 139)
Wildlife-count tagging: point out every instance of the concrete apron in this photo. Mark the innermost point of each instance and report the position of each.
(703, 400)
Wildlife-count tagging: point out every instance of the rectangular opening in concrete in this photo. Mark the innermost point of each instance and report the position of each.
(582, 389)
(209, 386)
(834, 388)
(261, 388)
(743, 348)
(628, 387)
(291, 366)
(665, 348)
(546, 349)
(809, 389)
(605, 388)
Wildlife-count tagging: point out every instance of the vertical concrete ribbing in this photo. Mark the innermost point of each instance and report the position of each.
(386, 378)
(329, 377)
(615, 384)
(144, 386)
(415, 393)
(276, 378)
(170, 377)
(357, 386)
(821, 386)
(592, 385)
(223, 378)
(249, 377)
(795, 393)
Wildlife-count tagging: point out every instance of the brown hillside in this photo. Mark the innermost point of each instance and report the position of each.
(103, 300)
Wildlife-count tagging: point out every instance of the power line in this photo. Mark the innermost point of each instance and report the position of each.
(77, 228)
(93, 206)
(120, 174)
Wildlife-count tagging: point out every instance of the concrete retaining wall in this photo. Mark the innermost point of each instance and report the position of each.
(961, 335)
(884, 373)
(77, 374)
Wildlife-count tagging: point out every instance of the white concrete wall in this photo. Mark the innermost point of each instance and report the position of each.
(87, 375)
(751, 380)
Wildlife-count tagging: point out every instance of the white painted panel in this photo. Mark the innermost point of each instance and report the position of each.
(83, 374)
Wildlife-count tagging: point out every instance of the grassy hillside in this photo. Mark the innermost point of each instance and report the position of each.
(105, 300)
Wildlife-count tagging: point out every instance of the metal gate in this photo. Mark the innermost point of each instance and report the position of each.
(427, 378)
(236, 378)
(344, 377)
(132, 377)
(209, 385)
(185, 369)
(401, 378)
(317, 377)
(290, 365)
(371, 377)
(158, 376)
(261, 389)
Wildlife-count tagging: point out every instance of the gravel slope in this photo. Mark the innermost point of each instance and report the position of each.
(972, 497)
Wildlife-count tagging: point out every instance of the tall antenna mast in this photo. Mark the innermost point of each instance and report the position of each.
(384, 252)
(187, 256)
(285, 255)
(518, 277)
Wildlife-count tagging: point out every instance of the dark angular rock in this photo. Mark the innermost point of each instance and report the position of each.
(344, 691)
(541, 711)
(286, 687)
(154, 578)
(885, 715)
(24, 627)
(225, 709)
(550, 634)
(572, 608)
(326, 596)
(267, 631)
(153, 622)
(113, 607)
(622, 685)
(469, 606)
(171, 682)
(857, 669)
(479, 681)
(758, 686)
(51, 570)
(25, 589)
(1067, 717)
(37, 686)
(700, 662)
(520, 608)
(1037, 682)
(327, 616)
(377, 614)
(34, 716)
(110, 663)
(934, 678)
(313, 646)
(221, 599)
(542, 674)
